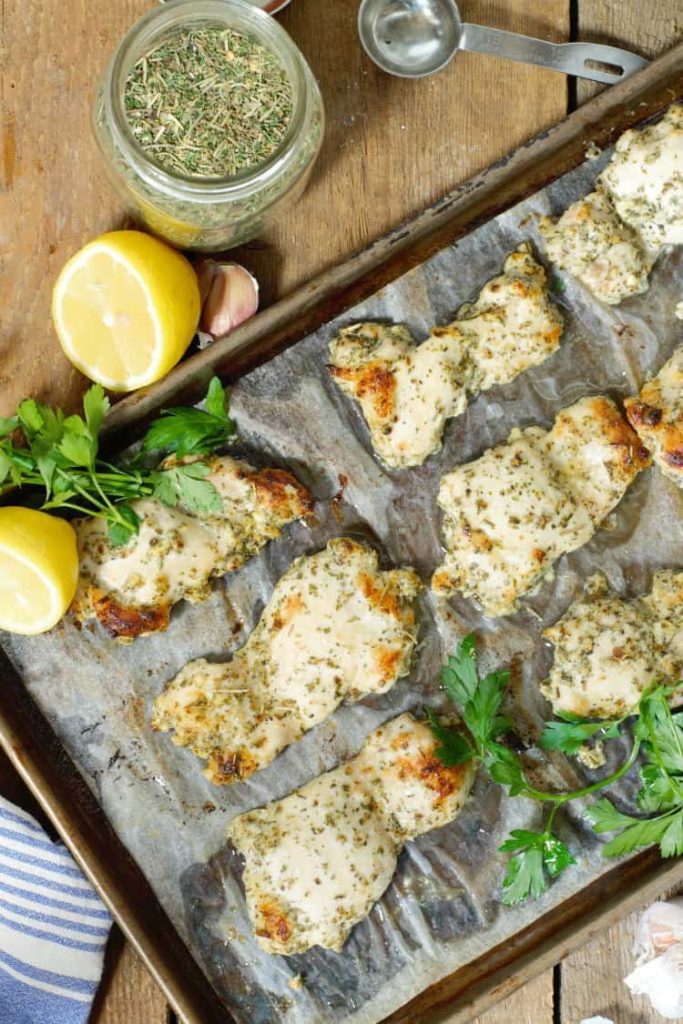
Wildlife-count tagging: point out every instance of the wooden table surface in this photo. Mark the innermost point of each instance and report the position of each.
(392, 147)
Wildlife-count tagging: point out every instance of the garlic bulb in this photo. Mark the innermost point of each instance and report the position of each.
(661, 980)
(230, 295)
(660, 927)
(659, 946)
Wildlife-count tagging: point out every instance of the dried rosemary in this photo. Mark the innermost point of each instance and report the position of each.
(209, 102)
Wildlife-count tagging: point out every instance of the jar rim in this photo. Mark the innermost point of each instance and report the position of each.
(149, 31)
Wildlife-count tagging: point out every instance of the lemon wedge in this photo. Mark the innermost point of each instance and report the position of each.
(125, 308)
(38, 569)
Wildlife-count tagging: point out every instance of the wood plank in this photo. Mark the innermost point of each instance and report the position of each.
(127, 994)
(532, 1004)
(53, 193)
(648, 30)
(392, 146)
(592, 980)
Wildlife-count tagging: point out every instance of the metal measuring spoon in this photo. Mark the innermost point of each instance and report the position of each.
(413, 38)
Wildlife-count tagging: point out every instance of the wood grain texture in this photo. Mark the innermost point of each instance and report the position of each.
(392, 146)
(53, 195)
(646, 28)
(592, 980)
(532, 1004)
(127, 995)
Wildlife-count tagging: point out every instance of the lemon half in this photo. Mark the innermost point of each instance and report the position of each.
(125, 308)
(38, 569)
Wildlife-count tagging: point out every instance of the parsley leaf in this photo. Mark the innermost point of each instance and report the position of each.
(454, 749)
(29, 416)
(524, 876)
(632, 833)
(570, 734)
(671, 843)
(60, 454)
(505, 768)
(216, 401)
(539, 853)
(8, 424)
(459, 675)
(186, 485)
(644, 833)
(478, 700)
(185, 430)
(125, 527)
(659, 791)
(606, 818)
(95, 407)
(664, 736)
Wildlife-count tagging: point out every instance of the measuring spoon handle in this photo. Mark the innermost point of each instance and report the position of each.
(580, 59)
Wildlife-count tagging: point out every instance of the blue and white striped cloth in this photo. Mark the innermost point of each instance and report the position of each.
(53, 927)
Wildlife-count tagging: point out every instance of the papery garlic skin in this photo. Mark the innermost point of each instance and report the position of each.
(660, 927)
(661, 980)
(230, 296)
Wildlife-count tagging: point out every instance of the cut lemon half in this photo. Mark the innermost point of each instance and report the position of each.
(38, 569)
(125, 308)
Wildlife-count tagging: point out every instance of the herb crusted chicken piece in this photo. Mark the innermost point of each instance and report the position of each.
(408, 391)
(644, 180)
(317, 861)
(336, 628)
(608, 650)
(132, 588)
(510, 514)
(657, 416)
(606, 255)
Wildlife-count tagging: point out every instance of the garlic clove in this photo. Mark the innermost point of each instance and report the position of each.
(661, 980)
(659, 927)
(231, 296)
(206, 271)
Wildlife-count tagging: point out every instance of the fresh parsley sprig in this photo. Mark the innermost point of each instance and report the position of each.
(60, 455)
(571, 732)
(188, 431)
(539, 857)
(661, 735)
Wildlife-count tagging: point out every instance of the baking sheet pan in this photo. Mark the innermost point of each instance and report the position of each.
(267, 405)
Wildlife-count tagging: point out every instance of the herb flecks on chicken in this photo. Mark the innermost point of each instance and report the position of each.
(407, 391)
(317, 861)
(178, 549)
(510, 514)
(336, 628)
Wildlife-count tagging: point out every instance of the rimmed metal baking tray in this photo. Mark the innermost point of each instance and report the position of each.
(35, 750)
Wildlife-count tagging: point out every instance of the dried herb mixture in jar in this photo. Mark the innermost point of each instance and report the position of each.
(209, 102)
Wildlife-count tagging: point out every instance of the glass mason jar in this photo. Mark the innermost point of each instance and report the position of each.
(208, 214)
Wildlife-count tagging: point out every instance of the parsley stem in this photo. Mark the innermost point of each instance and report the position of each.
(562, 798)
(90, 498)
(84, 511)
(551, 818)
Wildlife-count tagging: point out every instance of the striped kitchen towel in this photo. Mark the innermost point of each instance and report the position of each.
(53, 927)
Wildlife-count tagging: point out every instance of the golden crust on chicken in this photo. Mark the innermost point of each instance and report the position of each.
(657, 415)
(510, 514)
(317, 861)
(132, 589)
(407, 391)
(336, 628)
